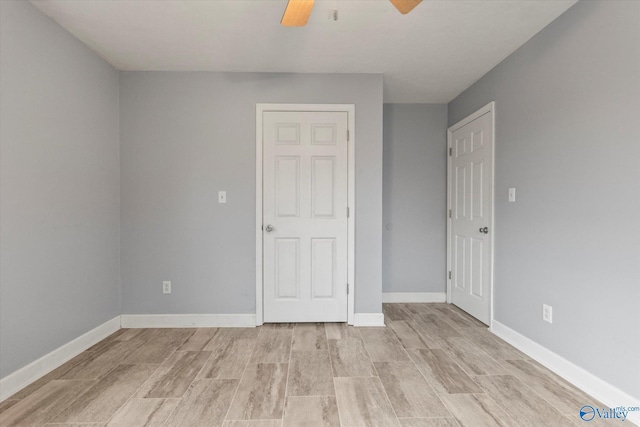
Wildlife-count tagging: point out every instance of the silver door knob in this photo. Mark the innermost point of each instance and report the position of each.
(484, 230)
(268, 228)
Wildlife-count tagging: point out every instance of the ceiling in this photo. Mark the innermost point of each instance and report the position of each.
(428, 56)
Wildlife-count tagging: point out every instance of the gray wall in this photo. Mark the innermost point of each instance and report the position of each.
(414, 198)
(568, 138)
(59, 184)
(184, 136)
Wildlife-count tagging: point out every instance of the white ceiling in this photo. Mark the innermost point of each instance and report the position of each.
(428, 56)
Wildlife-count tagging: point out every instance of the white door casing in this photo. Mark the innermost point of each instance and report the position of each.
(304, 246)
(470, 227)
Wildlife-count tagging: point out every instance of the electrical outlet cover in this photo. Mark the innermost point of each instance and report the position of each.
(547, 313)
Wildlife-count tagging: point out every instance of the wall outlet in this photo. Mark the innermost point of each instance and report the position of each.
(547, 313)
(166, 287)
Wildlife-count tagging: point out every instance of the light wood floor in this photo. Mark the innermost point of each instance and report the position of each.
(432, 366)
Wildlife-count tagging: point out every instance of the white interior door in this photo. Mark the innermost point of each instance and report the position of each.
(471, 214)
(305, 180)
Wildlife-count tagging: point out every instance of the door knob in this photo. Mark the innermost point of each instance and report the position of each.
(484, 230)
(268, 228)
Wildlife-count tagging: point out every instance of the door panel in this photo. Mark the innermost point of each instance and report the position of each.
(323, 192)
(323, 277)
(287, 268)
(472, 210)
(287, 179)
(305, 203)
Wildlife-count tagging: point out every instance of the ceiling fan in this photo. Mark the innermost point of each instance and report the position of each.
(297, 12)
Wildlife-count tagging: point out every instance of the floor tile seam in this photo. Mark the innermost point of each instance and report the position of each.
(138, 389)
(205, 344)
(335, 390)
(425, 418)
(395, 336)
(314, 395)
(11, 400)
(445, 320)
(502, 343)
(326, 340)
(535, 392)
(482, 347)
(250, 421)
(154, 372)
(195, 377)
(175, 408)
(555, 384)
(186, 338)
(330, 359)
(463, 314)
(455, 314)
(374, 369)
(64, 407)
(202, 367)
(364, 347)
(82, 423)
(457, 365)
(426, 380)
(103, 375)
(397, 341)
(454, 357)
(488, 396)
(413, 328)
(385, 393)
(235, 393)
(455, 420)
(98, 378)
(360, 376)
(97, 381)
(286, 384)
(530, 389)
(286, 398)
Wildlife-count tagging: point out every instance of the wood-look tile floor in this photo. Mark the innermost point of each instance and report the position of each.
(433, 365)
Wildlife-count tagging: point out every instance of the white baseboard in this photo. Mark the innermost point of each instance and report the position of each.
(414, 297)
(187, 320)
(21, 378)
(368, 319)
(587, 382)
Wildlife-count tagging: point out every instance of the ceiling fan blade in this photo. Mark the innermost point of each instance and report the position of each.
(405, 6)
(297, 13)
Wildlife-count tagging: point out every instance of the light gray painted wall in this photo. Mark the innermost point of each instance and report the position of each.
(414, 198)
(59, 185)
(568, 138)
(184, 136)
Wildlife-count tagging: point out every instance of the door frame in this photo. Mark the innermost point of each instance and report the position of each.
(490, 108)
(351, 187)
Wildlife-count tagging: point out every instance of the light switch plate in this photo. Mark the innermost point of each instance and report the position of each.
(222, 197)
(512, 194)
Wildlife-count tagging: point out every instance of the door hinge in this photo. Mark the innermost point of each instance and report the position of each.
(450, 151)
(347, 289)
(348, 213)
(449, 275)
(348, 136)
(449, 213)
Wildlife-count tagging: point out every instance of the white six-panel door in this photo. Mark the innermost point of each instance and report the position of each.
(471, 211)
(305, 180)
